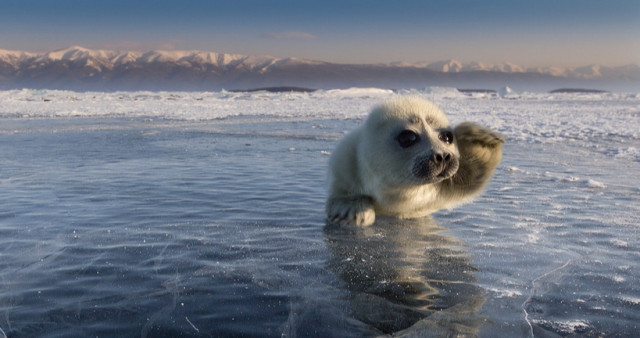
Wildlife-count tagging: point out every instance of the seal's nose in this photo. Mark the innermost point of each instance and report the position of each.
(439, 158)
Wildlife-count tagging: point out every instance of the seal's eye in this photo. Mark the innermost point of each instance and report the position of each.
(407, 138)
(446, 137)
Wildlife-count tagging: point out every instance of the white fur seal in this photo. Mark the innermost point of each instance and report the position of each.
(406, 161)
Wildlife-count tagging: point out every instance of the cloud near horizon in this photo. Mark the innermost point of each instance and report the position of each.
(289, 35)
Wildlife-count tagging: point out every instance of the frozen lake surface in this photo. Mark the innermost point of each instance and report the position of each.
(201, 214)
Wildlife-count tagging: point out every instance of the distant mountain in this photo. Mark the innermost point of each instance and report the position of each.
(84, 69)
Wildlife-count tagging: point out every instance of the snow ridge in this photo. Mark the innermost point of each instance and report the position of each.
(110, 58)
(80, 68)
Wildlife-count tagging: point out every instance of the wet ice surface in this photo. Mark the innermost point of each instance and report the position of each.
(201, 214)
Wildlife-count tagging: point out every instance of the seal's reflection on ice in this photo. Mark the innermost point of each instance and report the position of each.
(406, 277)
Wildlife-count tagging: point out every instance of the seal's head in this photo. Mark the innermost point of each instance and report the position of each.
(408, 142)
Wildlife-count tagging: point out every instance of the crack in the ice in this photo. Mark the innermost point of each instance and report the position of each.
(190, 323)
(533, 292)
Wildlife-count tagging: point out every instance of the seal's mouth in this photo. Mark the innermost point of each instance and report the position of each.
(430, 172)
(443, 174)
(449, 169)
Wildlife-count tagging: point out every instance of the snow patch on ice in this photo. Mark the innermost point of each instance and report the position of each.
(595, 184)
(618, 278)
(444, 92)
(514, 170)
(620, 243)
(587, 183)
(566, 326)
(505, 293)
(508, 93)
(631, 153)
(360, 92)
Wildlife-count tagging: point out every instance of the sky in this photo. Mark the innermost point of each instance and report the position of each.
(525, 32)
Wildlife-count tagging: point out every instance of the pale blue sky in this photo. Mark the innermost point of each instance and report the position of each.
(531, 33)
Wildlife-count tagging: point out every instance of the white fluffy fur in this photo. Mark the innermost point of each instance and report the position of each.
(371, 173)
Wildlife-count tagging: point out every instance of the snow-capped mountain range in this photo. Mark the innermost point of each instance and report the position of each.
(88, 69)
